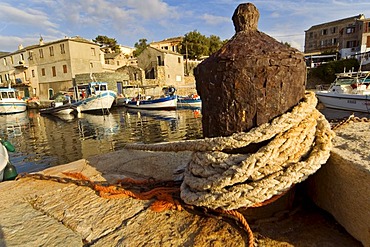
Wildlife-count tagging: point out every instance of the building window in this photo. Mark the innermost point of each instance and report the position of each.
(11, 60)
(350, 30)
(91, 65)
(64, 68)
(333, 29)
(179, 60)
(324, 32)
(51, 49)
(30, 55)
(62, 50)
(43, 72)
(368, 41)
(5, 62)
(117, 63)
(1, 79)
(41, 53)
(93, 52)
(54, 72)
(33, 73)
(351, 44)
(310, 35)
(334, 41)
(22, 56)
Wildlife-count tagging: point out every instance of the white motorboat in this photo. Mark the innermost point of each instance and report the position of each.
(4, 158)
(10, 102)
(59, 109)
(95, 97)
(350, 91)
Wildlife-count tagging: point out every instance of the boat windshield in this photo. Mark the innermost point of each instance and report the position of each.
(344, 81)
(11, 95)
(4, 95)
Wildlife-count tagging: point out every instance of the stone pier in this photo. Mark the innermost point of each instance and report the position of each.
(48, 213)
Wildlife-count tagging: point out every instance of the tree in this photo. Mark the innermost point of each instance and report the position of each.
(107, 43)
(215, 44)
(195, 45)
(140, 47)
(285, 43)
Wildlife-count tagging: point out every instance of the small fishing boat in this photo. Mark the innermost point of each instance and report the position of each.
(94, 98)
(58, 108)
(10, 102)
(350, 91)
(168, 102)
(191, 101)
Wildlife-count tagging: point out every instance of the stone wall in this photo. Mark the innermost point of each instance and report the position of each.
(110, 78)
(342, 186)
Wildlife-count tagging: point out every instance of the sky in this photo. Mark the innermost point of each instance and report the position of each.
(128, 21)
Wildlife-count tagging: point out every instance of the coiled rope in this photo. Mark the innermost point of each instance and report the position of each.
(299, 142)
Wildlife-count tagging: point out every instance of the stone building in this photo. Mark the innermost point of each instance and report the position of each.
(170, 44)
(348, 37)
(47, 68)
(162, 67)
(113, 61)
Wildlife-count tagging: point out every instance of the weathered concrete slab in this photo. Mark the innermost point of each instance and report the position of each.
(47, 213)
(342, 186)
(139, 164)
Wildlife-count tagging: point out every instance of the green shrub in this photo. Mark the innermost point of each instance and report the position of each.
(326, 72)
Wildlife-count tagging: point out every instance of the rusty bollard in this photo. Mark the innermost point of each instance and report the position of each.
(252, 79)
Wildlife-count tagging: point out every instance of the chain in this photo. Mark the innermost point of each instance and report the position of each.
(350, 119)
(148, 185)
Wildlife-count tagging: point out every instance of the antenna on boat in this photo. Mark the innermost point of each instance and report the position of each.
(361, 60)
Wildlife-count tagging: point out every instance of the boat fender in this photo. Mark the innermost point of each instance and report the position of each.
(8, 145)
(10, 172)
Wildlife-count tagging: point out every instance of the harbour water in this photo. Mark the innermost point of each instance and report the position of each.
(45, 141)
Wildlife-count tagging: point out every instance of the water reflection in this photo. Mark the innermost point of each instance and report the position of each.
(97, 126)
(47, 141)
(13, 124)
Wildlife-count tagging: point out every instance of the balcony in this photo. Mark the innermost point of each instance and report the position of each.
(21, 65)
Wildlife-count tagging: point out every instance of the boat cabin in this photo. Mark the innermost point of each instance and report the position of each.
(8, 93)
(352, 82)
(87, 90)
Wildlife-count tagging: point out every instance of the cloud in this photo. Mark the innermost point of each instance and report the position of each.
(25, 17)
(214, 20)
(152, 9)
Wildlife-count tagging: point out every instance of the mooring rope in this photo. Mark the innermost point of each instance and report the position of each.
(299, 143)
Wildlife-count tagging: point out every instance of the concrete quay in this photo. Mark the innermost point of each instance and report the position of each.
(47, 213)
